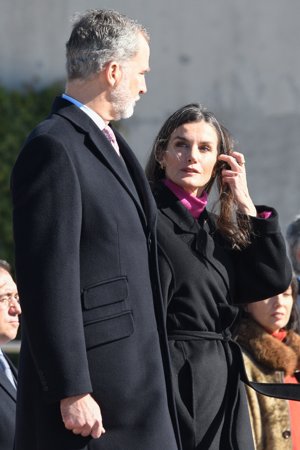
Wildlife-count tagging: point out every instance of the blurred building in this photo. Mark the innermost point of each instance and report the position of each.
(238, 58)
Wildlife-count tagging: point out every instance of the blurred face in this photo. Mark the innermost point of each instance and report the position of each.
(191, 155)
(296, 260)
(273, 313)
(132, 84)
(9, 308)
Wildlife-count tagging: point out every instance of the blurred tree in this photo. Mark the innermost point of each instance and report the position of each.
(20, 111)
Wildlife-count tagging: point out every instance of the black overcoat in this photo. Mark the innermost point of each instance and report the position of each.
(202, 278)
(83, 223)
(8, 399)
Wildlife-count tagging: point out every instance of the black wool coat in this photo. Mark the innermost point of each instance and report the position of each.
(8, 399)
(84, 229)
(202, 279)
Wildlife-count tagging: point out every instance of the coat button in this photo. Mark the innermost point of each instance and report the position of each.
(286, 434)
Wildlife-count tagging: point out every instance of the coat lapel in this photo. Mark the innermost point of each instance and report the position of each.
(103, 150)
(171, 207)
(198, 234)
(141, 184)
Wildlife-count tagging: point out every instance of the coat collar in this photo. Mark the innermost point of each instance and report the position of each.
(170, 206)
(200, 234)
(268, 350)
(130, 175)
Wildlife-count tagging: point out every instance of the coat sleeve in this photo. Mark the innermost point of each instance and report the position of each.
(263, 268)
(47, 225)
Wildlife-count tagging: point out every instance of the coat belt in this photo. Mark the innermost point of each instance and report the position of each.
(287, 391)
(194, 335)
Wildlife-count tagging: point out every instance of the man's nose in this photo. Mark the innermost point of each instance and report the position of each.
(15, 307)
(143, 87)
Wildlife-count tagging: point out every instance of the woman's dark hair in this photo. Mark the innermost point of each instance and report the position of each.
(234, 226)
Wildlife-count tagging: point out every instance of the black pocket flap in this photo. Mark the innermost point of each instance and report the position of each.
(105, 293)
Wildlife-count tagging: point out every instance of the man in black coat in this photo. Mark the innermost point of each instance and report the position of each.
(94, 354)
(9, 324)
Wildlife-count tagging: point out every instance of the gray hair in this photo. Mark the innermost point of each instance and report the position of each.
(4, 265)
(293, 239)
(98, 37)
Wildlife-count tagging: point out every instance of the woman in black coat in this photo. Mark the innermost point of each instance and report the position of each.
(208, 263)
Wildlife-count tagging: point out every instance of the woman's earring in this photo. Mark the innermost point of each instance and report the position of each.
(162, 166)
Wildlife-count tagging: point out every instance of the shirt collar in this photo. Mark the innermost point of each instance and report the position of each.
(90, 112)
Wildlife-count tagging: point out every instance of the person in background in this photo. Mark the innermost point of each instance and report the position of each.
(208, 263)
(94, 351)
(9, 324)
(293, 240)
(269, 337)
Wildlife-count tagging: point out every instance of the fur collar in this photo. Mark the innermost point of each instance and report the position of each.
(268, 350)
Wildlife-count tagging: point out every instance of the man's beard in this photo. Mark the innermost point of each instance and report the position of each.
(121, 100)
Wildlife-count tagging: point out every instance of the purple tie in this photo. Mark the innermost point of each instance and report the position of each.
(110, 135)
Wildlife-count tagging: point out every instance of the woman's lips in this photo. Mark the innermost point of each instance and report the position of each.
(189, 170)
(278, 315)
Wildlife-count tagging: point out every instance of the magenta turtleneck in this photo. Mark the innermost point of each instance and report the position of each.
(195, 205)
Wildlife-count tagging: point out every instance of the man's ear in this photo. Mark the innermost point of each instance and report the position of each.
(113, 73)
